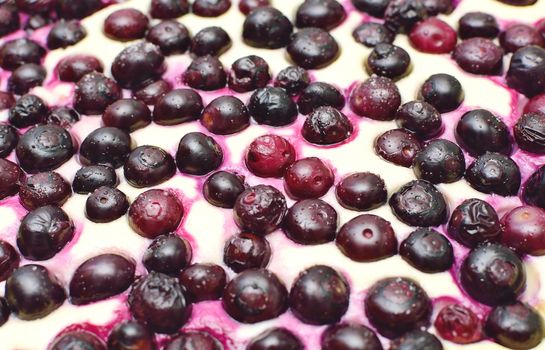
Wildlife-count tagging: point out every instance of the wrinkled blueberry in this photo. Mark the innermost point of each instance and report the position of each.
(148, 166)
(42, 189)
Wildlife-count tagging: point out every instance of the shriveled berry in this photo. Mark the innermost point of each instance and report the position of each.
(530, 132)
(245, 251)
(293, 79)
(458, 324)
(376, 98)
(27, 111)
(42, 189)
(64, 117)
(272, 106)
(402, 15)
(474, 222)
(148, 166)
(8, 139)
(326, 125)
(249, 73)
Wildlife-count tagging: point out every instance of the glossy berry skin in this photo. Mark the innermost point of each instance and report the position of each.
(212, 41)
(479, 56)
(516, 326)
(168, 254)
(419, 203)
(421, 118)
(269, 156)
(310, 222)
(177, 106)
(210, 8)
(427, 250)
(72, 68)
(203, 282)
(101, 277)
(148, 166)
(5, 312)
(247, 6)
(126, 24)
(9, 19)
(308, 178)
(89, 178)
(106, 204)
(319, 295)
(319, 94)
(194, 339)
(402, 15)
(272, 106)
(155, 212)
(94, 92)
(9, 260)
(326, 125)
(367, 238)
(478, 24)
(376, 98)
(518, 36)
(293, 79)
(245, 251)
(249, 73)
(493, 274)
(361, 191)
(33, 292)
(158, 301)
(442, 91)
(64, 117)
(27, 111)
(325, 14)
(43, 189)
(171, 36)
(519, 2)
(397, 305)
(479, 131)
(65, 33)
(138, 65)
(266, 27)
(8, 139)
(371, 34)
(417, 339)
(435, 7)
(458, 324)
(398, 146)
(387, 60)
(474, 222)
(433, 35)
(10, 178)
(15, 53)
(166, 9)
(532, 192)
(255, 295)
(313, 48)
(77, 340)
(225, 115)
(152, 92)
(494, 173)
(529, 132)
(440, 161)
(260, 209)
(523, 230)
(275, 339)
(106, 146)
(131, 335)
(222, 188)
(205, 73)
(526, 72)
(127, 114)
(69, 9)
(26, 77)
(347, 336)
(44, 148)
(198, 154)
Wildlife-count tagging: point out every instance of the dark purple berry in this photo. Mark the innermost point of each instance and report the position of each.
(7, 100)
(177, 106)
(78, 9)
(325, 14)
(249, 73)
(8, 139)
(402, 15)
(310, 222)
(387, 60)
(440, 161)
(398, 146)
(434, 36)
(530, 132)
(225, 115)
(260, 209)
(313, 48)
(458, 324)
(494, 173)
(188, 340)
(479, 131)
(205, 73)
(138, 65)
(526, 72)
(516, 326)
(131, 335)
(15, 53)
(210, 41)
(523, 230)
(43, 189)
(478, 24)
(73, 68)
(415, 340)
(10, 178)
(203, 282)
(106, 204)
(9, 261)
(293, 79)
(275, 339)
(65, 33)
(518, 36)
(171, 36)
(346, 336)
(222, 188)
(376, 98)
(272, 106)
(419, 203)
(533, 188)
(168, 254)
(27, 111)
(247, 6)
(77, 339)
(148, 166)
(4, 311)
(319, 94)
(152, 92)
(127, 114)
(126, 24)
(442, 91)
(210, 8)
(9, 19)
(479, 56)
(326, 125)
(435, 7)
(319, 295)
(64, 117)
(421, 118)
(94, 92)
(427, 250)
(270, 156)
(245, 251)
(519, 2)
(167, 9)
(371, 34)
(266, 27)
(106, 146)
(26, 77)
(474, 222)
(198, 154)
(374, 8)
(361, 191)
(308, 178)
(36, 21)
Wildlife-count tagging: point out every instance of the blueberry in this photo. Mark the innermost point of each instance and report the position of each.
(374, 8)
(168, 254)
(479, 56)
(532, 192)
(458, 324)
(167, 9)
(171, 36)
(101, 277)
(203, 282)
(138, 65)
(64, 117)
(77, 339)
(479, 131)
(210, 8)
(275, 339)
(247, 6)
(518, 36)
(94, 92)
(435, 7)
(427, 250)
(419, 203)
(127, 114)
(198, 154)
(148, 166)
(421, 118)
(517, 326)
(415, 340)
(225, 115)
(376, 98)
(361, 191)
(27, 111)
(319, 94)
(73, 68)
(308, 178)
(194, 340)
(398, 146)
(387, 60)
(530, 132)
(326, 125)
(272, 106)
(523, 230)
(152, 92)
(249, 73)
(33, 292)
(9, 260)
(106, 146)
(310, 222)
(395, 306)
(7, 100)
(222, 188)
(474, 222)
(319, 295)
(245, 251)
(313, 48)
(131, 335)
(26, 77)
(293, 79)
(367, 238)
(440, 161)
(478, 24)
(106, 204)
(9, 19)
(433, 35)
(402, 15)
(347, 336)
(205, 73)
(371, 34)
(212, 41)
(526, 72)
(159, 301)
(255, 295)
(36, 21)
(65, 33)
(4, 309)
(48, 188)
(442, 91)
(266, 27)
(34, 6)
(126, 24)
(44, 148)
(11, 177)
(8, 139)
(260, 209)
(270, 156)
(17, 52)
(494, 173)
(91, 177)
(177, 106)
(325, 14)
(69, 9)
